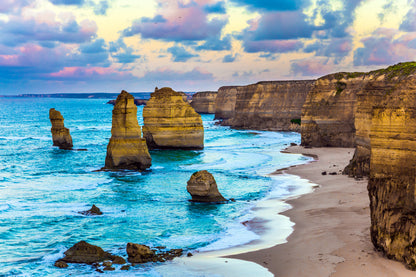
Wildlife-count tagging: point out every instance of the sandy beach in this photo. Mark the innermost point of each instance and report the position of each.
(331, 235)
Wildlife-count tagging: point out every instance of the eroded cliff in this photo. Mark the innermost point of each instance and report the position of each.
(126, 149)
(60, 135)
(171, 122)
(204, 102)
(225, 103)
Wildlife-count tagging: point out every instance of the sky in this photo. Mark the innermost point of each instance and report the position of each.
(64, 46)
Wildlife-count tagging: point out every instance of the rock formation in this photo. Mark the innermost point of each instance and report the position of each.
(93, 211)
(170, 122)
(138, 102)
(225, 103)
(391, 184)
(274, 105)
(329, 111)
(126, 149)
(203, 188)
(83, 252)
(139, 253)
(204, 102)
(60, 134)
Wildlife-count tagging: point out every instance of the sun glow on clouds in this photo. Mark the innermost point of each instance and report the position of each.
(80, 45)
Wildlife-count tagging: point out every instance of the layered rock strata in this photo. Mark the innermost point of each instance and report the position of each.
(60, 134)
(391, 185)
(204, 102)
(203, 188)
(171, 123)
(225, 103)
(274, 105)
(328, 113)
(126, 149)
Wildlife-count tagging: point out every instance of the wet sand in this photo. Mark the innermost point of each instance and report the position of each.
(331, 235)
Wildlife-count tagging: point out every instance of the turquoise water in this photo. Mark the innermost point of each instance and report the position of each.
(42, 188)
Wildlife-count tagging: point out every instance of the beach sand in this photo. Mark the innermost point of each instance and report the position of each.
(331, 236)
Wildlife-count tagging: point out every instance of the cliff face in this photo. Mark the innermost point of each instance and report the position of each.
(275, 105)
(170, 122)
(204, 102)
(126, 149)
(329, 111)
(60, 134)
(225, 103)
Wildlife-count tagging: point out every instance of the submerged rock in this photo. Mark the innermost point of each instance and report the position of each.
(60, 134)
(126, 149)
(171, 122)
(93, 211)
(85, 253)
(203, 188)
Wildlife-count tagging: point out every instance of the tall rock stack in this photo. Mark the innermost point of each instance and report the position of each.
(171, 123)
(126, 149)
(60, 134)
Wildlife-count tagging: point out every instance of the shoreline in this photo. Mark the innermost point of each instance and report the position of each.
(331, 232)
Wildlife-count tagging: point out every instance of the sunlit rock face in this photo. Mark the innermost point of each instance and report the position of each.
(204, 102)
(203, 188)
(171, 123)
(60, 134)
(329, 111)
(225, 103)
(126, 149)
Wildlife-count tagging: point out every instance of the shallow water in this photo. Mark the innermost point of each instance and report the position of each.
(43, 189)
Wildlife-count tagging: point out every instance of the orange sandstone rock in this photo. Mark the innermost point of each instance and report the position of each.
(60, 134)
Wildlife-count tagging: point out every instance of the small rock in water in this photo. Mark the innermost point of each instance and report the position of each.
(293, 144)
(189, 254)
(125, 267)
(61, 264)
(85, 253)
(323, 173)
(108, 268)
(333, 173)
(93, 211)
(203, 188)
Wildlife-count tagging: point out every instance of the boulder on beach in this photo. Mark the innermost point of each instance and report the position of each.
(60, 134)
(171, 123)
(203, 188)
(85, 253)
(126, 149)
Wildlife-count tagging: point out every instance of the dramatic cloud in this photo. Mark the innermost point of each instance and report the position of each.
(17, 31)
(67, 2)
(268, 5)
(162, 75)
(382, 49)
(229, 58)
(218, 7)
(177, 23)
(122, 52)
(272, 46)
(311, 67)
(216, 44)
(338, 48)
(180, 54)
(92, 73)
(13, 5)
(409, 22)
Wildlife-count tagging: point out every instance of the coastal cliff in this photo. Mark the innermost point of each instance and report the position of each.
(225, 103)
(204, 102)
(170, 122)
(329, 111)
(60, 135)
(274, 105)
(126, 149)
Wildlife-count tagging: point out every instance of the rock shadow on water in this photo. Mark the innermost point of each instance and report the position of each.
(175, 155)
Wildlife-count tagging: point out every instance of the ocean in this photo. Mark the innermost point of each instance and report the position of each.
(43, 189)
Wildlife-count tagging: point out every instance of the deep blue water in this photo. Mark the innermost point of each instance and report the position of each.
(42, 188)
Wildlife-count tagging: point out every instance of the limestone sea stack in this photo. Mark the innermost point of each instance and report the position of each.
(171, 123)
(203, 188)
(126, 149)
(60, 134)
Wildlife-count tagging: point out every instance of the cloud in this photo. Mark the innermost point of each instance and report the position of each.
(176, 22)
(7, 6)
(409, 22)
(272, 46)
(122, 52)
(311, 67)
(216, 44)
(218, 7)
(382, 49)
(229, 58)
(268, 5)
(164, 75)
(338, 48)
(67, 2)
(180, 54)
(91, 73)
(101, 8)
(17, 31)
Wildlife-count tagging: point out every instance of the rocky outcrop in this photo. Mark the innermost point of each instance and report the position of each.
(391, 185)
(274, 105)
(225, 103)
(329, 111)
(83, 252)
(60, 134)
(203, 188)
(171, 123)
(126, 149)
(138, 102)
(93, 211)
(139, 253)
(204, 102)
